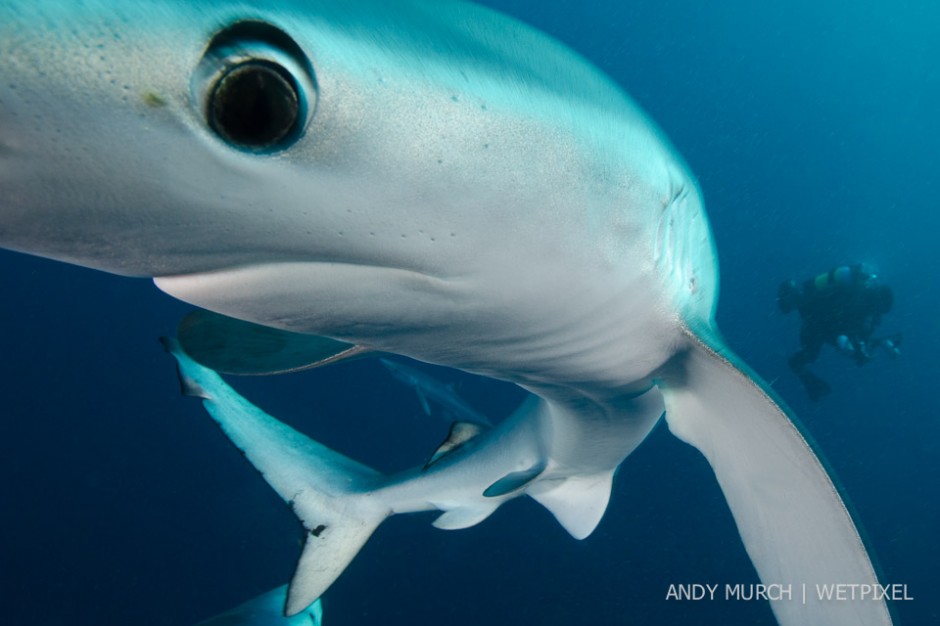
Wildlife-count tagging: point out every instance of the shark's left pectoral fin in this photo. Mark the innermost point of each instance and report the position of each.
(793, 522)
(230, 346)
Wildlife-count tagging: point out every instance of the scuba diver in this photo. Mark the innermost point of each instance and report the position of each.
(841, 307)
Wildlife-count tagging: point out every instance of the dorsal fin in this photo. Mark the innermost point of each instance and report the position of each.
(232, 346)
(460, 433)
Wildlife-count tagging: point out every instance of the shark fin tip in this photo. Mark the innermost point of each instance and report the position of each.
(192, 389)
(459, 434)
(188, 385)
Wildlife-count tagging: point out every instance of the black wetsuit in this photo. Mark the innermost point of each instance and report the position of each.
(842, 308)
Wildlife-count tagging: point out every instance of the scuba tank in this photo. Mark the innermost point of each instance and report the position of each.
(842, 276)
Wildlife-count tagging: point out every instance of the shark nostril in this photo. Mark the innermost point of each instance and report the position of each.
(254, 105)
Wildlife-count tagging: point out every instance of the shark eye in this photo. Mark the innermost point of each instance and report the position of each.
(255, 88)
(254, 104)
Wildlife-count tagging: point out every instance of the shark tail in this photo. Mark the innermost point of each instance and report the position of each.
(267, 610)
(326, 490)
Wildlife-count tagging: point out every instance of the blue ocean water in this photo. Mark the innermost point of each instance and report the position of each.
(812, 128)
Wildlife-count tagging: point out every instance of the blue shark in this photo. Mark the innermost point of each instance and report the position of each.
(267, 610)
(429, 179)
(429, 388)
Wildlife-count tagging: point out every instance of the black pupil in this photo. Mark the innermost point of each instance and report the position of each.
(254, 105)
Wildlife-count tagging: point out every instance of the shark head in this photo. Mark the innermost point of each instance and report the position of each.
(135, 136)
(421, 155)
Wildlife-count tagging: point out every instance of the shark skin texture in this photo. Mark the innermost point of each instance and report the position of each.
(427, 179)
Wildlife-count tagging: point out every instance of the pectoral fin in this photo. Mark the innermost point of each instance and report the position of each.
(231, 346)
(789, 513)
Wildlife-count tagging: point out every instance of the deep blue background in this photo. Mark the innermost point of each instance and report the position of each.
(812, 126)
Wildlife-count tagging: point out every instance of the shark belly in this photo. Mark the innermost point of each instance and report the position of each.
(588, 337)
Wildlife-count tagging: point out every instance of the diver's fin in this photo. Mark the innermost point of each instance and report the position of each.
(323, 487)
(232, 346)
(791, 518)
(267, 610)
(578, 503)
(514, 480)
(891, 344)
(460, 433)
(816, 388)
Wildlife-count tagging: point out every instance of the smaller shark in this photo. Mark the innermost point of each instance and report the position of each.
(429, 388)
(267, 610)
